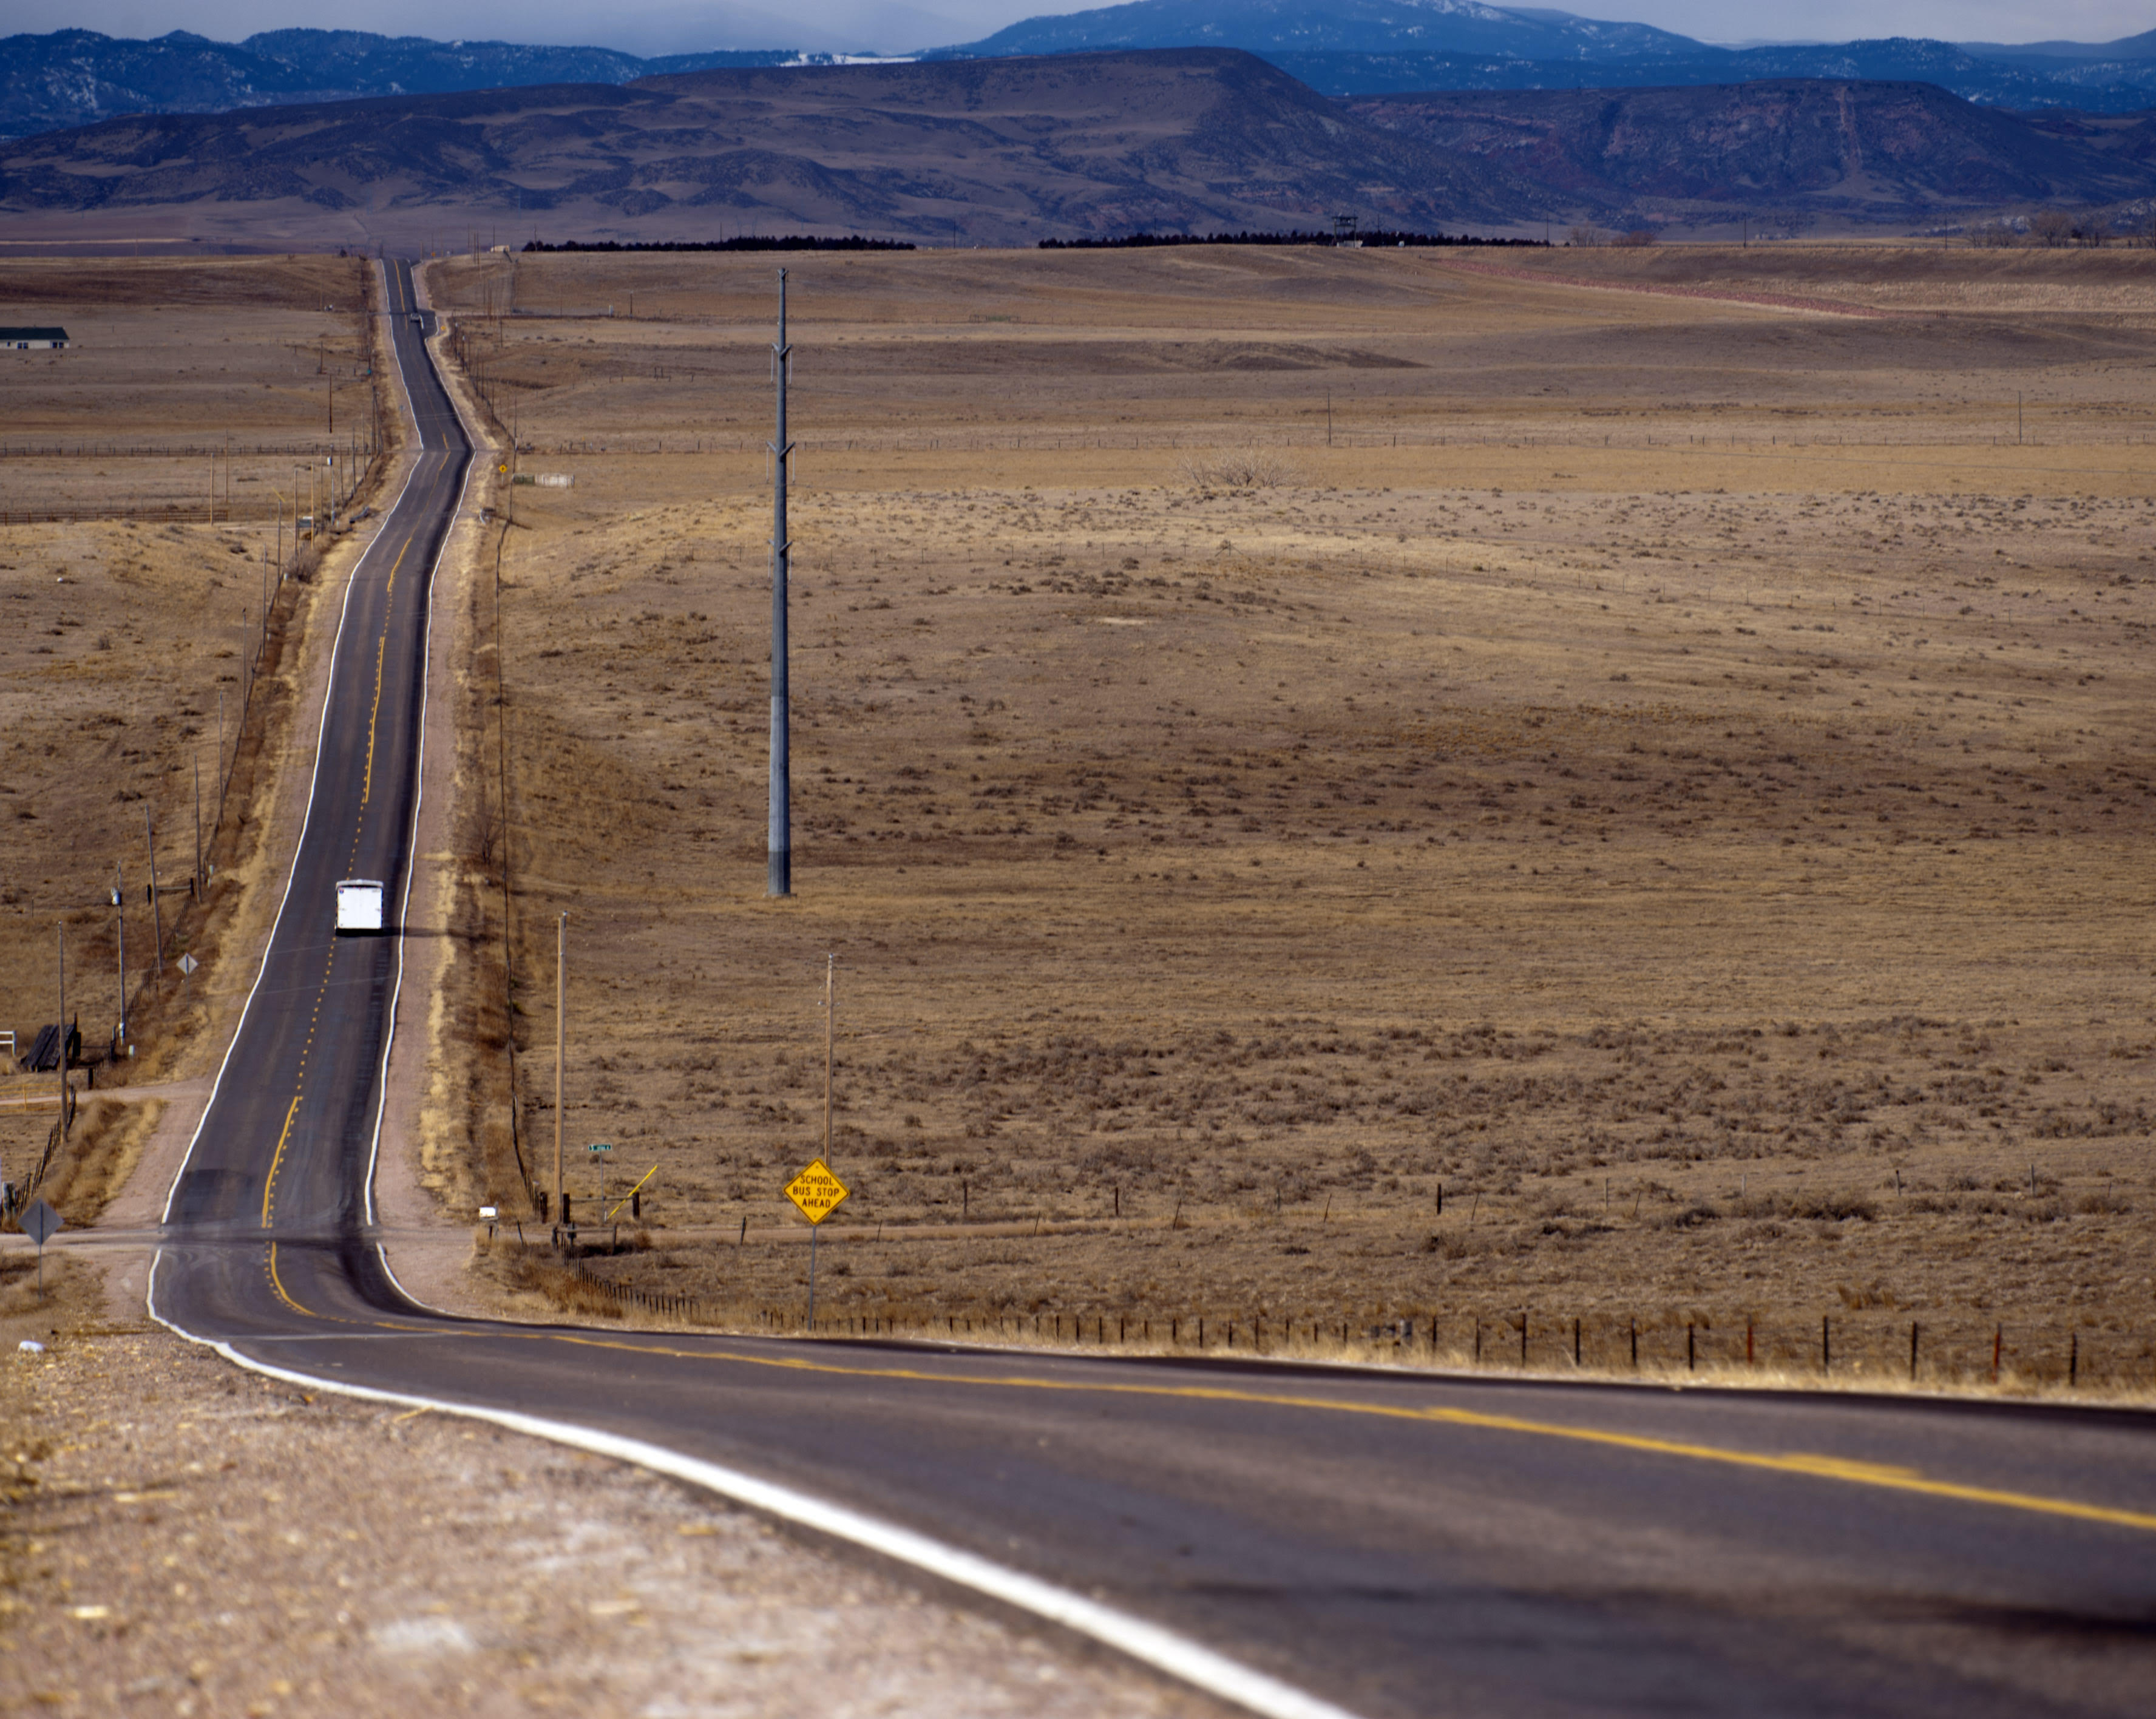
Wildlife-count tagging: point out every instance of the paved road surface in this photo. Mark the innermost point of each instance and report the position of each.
(1395, 1545)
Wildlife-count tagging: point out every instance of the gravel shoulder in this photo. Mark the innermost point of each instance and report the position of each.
(180, 1537)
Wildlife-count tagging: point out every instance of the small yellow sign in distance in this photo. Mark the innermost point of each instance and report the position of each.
(816, 1191)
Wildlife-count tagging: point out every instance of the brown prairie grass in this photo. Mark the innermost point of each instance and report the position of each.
(129, 638)
(1665, 887)
(1682, 808)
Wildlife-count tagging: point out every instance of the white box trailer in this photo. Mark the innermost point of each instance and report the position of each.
(359, 906)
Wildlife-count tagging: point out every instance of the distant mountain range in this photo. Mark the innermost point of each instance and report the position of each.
(1361, 47)
(1337, 47)
(2111, 86)
(995, 151)
(1783, 153)
(1268, 26)
(78, 77)
(1011, 150)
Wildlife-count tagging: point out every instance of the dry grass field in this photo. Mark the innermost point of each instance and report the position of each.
(1669, 781)
(129, 629)
(1687, 801)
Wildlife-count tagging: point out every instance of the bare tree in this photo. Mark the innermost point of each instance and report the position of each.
(2052, 229)
(1584, 237)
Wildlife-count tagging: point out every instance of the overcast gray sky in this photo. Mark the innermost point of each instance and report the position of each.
(677, 26)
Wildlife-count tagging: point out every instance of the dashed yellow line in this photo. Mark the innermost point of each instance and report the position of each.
(381, 649)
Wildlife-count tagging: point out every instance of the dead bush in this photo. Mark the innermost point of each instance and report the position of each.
(1240, 469)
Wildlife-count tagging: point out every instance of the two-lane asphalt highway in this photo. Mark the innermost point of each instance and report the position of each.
(1307, 1542)
(304, 1070)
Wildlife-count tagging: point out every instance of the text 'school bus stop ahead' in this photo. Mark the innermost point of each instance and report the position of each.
(359, 907)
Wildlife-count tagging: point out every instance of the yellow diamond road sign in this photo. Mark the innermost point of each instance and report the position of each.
(816, 1191)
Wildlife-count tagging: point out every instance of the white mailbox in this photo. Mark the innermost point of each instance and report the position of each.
(359, 906)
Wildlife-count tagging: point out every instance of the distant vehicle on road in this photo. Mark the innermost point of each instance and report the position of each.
(359, 907)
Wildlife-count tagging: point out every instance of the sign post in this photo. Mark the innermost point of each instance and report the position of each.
(41, 1223)
(818, 1193)
(603, 1146)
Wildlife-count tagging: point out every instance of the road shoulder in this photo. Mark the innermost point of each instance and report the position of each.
(195, 1539)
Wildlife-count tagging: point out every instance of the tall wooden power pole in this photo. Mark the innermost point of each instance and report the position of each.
(561, 1045)
(60, 953)
(830, 1036)
(780, 839)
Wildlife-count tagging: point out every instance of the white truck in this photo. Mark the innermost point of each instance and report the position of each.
(359, 906)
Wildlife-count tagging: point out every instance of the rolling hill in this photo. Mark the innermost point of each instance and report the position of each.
(991, 151)
(1882, 152)
(1009, 151)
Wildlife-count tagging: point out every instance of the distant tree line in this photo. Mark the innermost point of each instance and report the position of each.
(1378, 239)
(744, 242)
(2056, 229)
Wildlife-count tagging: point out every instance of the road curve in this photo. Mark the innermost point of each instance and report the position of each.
(1307, 1541)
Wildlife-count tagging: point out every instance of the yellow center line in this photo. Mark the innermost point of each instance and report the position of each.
(269, 1182)
(277, 1283)
(380, 646)
(1816, 1467)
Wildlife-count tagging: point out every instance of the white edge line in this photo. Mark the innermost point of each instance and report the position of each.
(1187, 1661)
(292, 872)
(418, 773)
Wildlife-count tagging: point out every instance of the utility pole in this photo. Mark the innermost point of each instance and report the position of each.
(59, 954)
(156, 908)
(120, 941)
(830, 1033)
(200, 881)
(561, 1046)
(780, 842)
